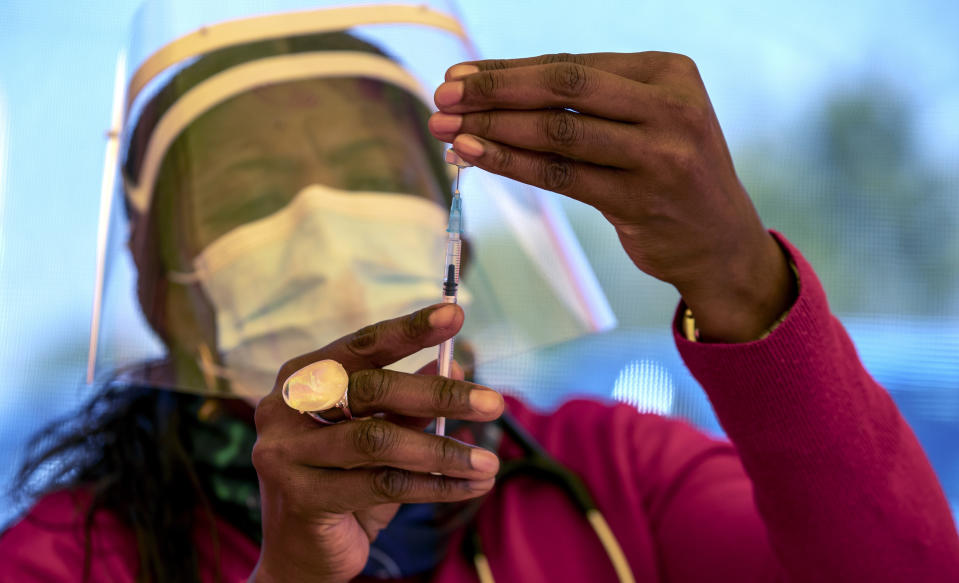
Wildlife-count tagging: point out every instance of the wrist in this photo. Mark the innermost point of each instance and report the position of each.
(743, 303)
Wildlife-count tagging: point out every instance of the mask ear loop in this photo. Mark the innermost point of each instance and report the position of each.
(207, 362)
(207, 366)
(183, 278)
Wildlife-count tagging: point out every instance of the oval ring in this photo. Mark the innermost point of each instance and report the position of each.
(317, 388)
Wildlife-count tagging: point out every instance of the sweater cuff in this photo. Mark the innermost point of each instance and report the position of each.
(799, 339)
(687, 323)
(684, 324)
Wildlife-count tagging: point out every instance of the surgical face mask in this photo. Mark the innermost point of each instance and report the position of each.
(327, 264)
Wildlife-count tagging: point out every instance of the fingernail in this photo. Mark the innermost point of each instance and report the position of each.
(459, 71)
(484, 461)
(485, 401)
(442, 317)
(449, 94)
(465, 144)
(445, 123)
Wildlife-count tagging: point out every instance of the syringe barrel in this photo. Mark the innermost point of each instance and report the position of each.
(454, 246)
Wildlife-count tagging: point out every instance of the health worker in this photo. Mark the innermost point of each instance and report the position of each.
(284, 200)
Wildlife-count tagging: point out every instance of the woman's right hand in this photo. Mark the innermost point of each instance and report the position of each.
(327, 490)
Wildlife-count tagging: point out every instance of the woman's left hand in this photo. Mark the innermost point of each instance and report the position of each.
(635, 136)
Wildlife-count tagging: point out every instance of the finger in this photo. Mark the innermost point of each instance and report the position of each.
(340, 492)
(375, 442)
(385, 342)
(421, 423)
(559, 85)
(582, 181)
(558, 131)
(377, 390)
(644, 67)
(393, 485)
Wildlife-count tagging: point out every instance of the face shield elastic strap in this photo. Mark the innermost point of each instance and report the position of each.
(209, 38)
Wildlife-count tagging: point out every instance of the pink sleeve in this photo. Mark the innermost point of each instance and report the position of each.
(700, 506)
(840, 481)
(48, 545)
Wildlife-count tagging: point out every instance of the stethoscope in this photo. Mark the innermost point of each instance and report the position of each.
(536, 462)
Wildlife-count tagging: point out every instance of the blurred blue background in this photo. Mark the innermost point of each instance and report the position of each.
(843, 119)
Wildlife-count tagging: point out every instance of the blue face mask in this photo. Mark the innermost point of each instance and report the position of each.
(410, 545)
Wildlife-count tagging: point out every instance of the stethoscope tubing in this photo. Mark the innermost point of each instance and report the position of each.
(536, 462)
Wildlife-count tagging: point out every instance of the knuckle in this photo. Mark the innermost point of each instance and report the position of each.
(503, 158)
(563, 58)
(485, 84)
(414, 326)
(695, 115)
(682, 63)
(482, 123)
(264, 411)
(689, 110)
(557, 174)
(660, 58)
(364, 340)
(391, 483)
(568, 80)
(681, 159)
(664, 64)
(442, 488)
(373, 438)
(268, 455)
(495, 64)
(562, 128)
(452, 454)
(447, 397)
(369, 386)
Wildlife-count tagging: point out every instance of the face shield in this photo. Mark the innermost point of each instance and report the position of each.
(276, 188)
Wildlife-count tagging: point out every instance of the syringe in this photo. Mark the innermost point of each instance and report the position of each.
(451, 276)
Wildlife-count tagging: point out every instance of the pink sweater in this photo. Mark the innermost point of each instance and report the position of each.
(822, 481)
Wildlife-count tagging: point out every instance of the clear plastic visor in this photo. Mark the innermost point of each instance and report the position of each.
(278, 189)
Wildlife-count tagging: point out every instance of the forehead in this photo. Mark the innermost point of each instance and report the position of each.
(249, 156)
(322, 122)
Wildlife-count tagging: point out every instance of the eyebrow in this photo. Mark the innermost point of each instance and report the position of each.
(339, 155)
